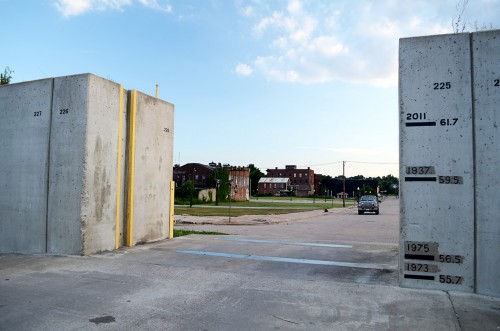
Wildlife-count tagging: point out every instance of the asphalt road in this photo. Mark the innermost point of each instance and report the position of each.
(318, 270)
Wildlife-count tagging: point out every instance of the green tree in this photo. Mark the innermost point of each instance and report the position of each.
(186, 193)
(220, 175)
(367, 190)
(6, 76)
(388, 184)
(255, 176)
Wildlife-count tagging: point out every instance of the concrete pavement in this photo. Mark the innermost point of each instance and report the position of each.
(318, 271)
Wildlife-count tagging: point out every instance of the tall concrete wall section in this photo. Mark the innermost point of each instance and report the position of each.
(101, 175)
(67, 157)
(150, 167)
(436, 160)
(486, 89)
(25, 112)
(68, 166)
(83, 165)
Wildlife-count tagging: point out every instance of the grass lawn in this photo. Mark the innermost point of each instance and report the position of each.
(180, 232)
(199, 210)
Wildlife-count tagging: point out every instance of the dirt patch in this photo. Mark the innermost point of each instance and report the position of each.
(257, 219)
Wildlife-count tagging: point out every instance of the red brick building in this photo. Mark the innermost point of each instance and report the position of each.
(301, 180)
(200, 173)
(273, 186)
(192, 171)
(240, 183)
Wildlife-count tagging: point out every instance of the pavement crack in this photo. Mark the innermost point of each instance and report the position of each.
(285, 320)
(454, 310)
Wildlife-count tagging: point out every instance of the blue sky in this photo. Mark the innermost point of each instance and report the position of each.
(310, 83)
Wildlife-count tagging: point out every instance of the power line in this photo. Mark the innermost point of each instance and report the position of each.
(373, 162)
(336, 162)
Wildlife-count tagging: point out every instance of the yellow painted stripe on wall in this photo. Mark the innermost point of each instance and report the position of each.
(131, 170)
(171, 218)
(118, 174)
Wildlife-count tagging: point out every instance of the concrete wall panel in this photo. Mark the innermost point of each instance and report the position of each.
(67, 158)
(101, 165)
(153, 168)
(436, 159)
(486, 69)
(25, 112)
(84, 165)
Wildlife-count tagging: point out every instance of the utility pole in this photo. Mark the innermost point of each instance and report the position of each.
(343, 183)
(230, 193)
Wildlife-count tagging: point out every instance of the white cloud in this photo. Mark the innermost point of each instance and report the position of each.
(70, 8)
(154, 4)
(73, 7)
(247, 11)
(327, 45)
(243, 69)
(294, 6)
(274, 19)
(343, 40)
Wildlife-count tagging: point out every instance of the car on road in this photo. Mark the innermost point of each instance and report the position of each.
(368, 203)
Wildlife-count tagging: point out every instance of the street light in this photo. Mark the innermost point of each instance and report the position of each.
(217, 183)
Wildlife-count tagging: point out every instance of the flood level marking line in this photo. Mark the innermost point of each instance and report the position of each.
(289, 260)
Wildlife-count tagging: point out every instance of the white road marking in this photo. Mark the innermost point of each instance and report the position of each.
(285, 242)
(290, 260)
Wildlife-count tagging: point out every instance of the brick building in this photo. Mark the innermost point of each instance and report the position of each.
(301, 180)
(201, 173)
(240, 183)
(197, 171)
(273, 186)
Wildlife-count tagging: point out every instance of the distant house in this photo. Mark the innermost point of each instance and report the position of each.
(301, 180)
(342, 195)
(271, 185)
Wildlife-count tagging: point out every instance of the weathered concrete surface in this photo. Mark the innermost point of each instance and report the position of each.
(486, 54)
(25, 112)
(101, 174)
(59, 175)
(83, 165)
(153, 168)
(435, 94)
(64, 146)
(156, 287)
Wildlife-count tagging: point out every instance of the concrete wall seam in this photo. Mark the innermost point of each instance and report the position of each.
(131, 168)
(118, 176)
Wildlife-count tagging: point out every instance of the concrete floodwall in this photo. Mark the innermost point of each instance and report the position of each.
(486, 90)
(83, 165)
(25, 113)
(449, 156)
(437, 192)
(64, 144)
(150, 168)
